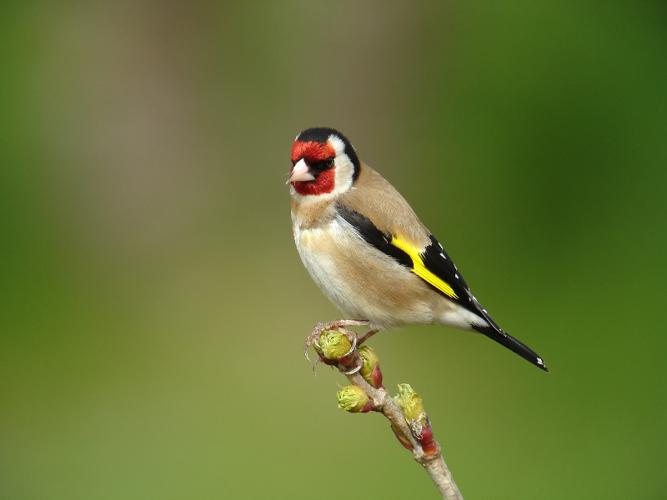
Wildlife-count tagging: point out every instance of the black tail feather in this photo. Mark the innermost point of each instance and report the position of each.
(512, 344)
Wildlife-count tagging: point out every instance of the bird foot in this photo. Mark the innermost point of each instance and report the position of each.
(366, 336)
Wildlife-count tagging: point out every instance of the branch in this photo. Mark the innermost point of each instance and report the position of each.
(337, 346)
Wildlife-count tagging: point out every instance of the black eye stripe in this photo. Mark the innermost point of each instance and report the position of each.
(322, 165)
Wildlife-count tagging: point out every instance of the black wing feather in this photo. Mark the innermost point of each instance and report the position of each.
(439, 263)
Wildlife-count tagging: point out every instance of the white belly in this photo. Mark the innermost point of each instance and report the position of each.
(313, 245)
(362, 282)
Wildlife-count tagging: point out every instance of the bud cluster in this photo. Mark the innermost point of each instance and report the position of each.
(338, 348)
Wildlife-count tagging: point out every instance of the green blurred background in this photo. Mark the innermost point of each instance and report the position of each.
(154, 307)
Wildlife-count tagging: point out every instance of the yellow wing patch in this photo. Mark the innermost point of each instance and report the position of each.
(420, 269)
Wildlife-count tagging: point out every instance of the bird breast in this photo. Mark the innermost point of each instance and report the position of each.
(360, 280)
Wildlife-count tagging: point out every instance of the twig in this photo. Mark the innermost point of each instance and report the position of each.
(338, 347)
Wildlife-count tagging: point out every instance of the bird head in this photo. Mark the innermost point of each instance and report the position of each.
(323, 163)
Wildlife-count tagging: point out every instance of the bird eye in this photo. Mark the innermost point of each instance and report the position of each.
(323, 165)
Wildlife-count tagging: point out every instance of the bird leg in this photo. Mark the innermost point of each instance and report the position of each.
(366, 336)
(333, 325)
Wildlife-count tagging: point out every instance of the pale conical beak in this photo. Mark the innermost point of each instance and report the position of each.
(300, 172)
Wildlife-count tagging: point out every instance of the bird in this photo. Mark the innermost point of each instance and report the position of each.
(368, 251)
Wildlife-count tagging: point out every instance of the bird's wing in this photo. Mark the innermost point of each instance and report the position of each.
(432, 264)
(429, 262)
(386, 221)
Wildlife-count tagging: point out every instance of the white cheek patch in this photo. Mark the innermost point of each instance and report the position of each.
(344, 166)
(338, 144)
(344, 174)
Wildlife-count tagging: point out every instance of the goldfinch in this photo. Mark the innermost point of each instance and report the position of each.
(367, 250)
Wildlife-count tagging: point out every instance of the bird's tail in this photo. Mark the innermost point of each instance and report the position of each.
(512, 344)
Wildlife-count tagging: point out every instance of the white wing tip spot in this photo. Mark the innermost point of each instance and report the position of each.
(540, 362)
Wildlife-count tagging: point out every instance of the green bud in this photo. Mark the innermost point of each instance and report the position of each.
(411, 403)
(370, 369)
(353, 399)
(415, 416)
(333, 345)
